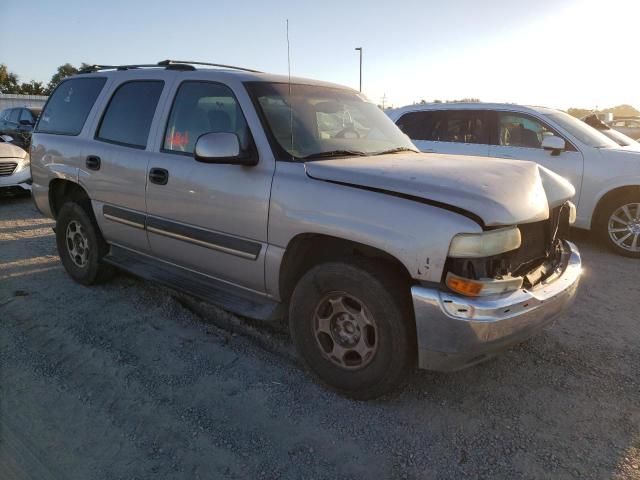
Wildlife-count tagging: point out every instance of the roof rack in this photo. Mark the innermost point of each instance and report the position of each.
(168, 64)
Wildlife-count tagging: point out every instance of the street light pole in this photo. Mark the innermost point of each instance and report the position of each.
(360, 50)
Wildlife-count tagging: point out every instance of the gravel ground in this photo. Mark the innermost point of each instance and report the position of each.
(130, 380)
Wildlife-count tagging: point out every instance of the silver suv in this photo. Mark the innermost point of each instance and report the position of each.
(292, 198)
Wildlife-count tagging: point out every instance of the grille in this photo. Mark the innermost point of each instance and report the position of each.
(7, 169)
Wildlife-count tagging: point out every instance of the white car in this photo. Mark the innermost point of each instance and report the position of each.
(15, 171)
(606, 176)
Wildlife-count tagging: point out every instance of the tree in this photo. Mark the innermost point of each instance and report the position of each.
(33, 88)
(63, 72)
(623, 111)
(579, 112)
(618, 111)
(8, 81)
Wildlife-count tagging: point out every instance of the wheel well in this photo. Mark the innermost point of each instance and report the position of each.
(607, 197)
(61, 191)
(307, 250)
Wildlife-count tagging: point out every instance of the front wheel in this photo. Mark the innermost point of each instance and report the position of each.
(351, 322)
(80, 245)
(620, 225)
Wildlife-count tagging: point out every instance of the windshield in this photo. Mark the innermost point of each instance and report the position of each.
(583, 132)
(309, 121)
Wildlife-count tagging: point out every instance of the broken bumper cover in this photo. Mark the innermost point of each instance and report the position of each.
(455, 332)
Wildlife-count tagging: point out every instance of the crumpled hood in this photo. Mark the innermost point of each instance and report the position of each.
(500, 192)
(8, 150)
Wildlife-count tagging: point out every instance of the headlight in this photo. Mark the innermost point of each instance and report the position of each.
(485, 244)
(22, 164)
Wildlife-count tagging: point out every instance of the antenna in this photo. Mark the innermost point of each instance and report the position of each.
(289, 69)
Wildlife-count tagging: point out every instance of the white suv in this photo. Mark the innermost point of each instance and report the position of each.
(605, 175)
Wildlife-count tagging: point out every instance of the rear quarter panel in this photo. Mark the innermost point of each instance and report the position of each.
(53, 157)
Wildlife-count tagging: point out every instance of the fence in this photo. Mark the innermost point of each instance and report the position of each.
(8, 100)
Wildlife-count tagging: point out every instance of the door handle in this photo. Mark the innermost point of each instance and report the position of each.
(93, 162)
(428, 150)
(159, 176)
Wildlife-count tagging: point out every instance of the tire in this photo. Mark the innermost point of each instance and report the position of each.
(619, 219)
(86, 266)
(366, 288)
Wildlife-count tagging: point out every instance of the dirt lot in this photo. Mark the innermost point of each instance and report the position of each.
(126, 381)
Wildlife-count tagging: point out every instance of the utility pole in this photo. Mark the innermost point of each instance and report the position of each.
(384, 101)
(360, 50)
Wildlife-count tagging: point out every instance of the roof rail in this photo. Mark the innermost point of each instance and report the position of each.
(97, 68)
(168, 63)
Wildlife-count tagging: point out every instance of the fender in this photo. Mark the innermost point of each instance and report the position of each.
(418, 235)
(586, 219)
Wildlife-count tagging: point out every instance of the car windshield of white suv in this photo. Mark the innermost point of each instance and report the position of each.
(583, 132)
(311, 122)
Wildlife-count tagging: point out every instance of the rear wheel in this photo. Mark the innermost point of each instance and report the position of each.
(80, 245)
(351, 322)
(620, 225)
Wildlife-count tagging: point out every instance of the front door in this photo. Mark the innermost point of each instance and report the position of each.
(519, 137)
(210, 218)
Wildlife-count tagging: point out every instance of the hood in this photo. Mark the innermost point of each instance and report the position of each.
(633, 148)
(499, 192)
(8, 150)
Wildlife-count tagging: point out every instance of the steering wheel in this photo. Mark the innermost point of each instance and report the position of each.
(347, 132)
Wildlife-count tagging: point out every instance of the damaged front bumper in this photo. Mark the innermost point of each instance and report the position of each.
(455, 331)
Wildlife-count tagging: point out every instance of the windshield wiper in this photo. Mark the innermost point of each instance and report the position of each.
(335, 153)
(396, 150)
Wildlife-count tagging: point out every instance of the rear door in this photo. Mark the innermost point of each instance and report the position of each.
(114, 167)
(458, 132)
(518, 136)
(211, 218)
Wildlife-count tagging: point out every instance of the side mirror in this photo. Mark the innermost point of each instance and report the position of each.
(222, 148)
(6, 138)
(553, 143)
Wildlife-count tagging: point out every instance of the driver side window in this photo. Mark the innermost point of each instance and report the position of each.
(203, 107)
(516, 130)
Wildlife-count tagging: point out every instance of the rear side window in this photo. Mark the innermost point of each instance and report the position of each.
(420, 125)
(128, 117)
(69, 105)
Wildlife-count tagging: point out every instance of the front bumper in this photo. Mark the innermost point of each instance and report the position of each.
(20, 178)
(455, 332)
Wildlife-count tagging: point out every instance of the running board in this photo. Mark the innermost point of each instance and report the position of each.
(226, 296)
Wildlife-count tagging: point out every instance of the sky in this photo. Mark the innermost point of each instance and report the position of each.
(557, 53)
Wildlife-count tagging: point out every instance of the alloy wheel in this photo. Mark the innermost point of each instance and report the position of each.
(624, 227)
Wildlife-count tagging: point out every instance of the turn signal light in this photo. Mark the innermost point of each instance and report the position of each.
(484, 287)
(464, 286)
